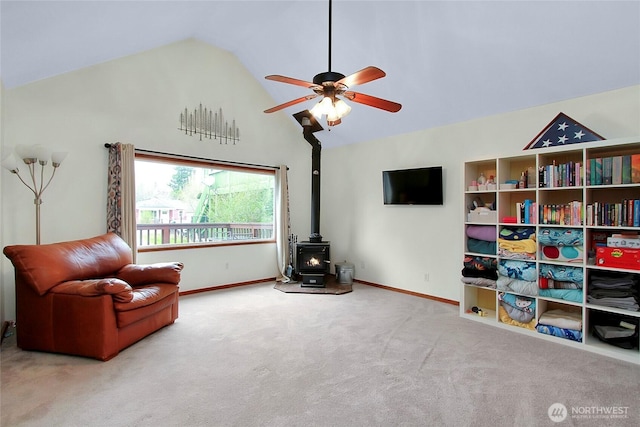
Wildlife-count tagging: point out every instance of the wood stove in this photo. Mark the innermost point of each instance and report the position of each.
(313, 262)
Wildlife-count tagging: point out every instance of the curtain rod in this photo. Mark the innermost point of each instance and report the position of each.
(226, 162)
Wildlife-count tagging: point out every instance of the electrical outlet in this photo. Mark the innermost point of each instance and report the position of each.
(426, 277)
(226, 265)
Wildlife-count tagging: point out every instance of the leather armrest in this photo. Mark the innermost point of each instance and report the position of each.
(120, 290)
(144, 274)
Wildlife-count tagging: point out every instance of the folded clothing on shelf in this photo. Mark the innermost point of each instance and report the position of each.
(562, 273)
(561, 237)
(481, 246)
(510, 284)
(573, 295)
(519, 308)
(475, 266)
(515, 246)
(562, 253)
(619, 291)
(562, 319)
(517, 233)
(620, 331)
(570, 334)
(517, 269)
(478, 281)
(507, 319)
(482, 232)
(546, 283)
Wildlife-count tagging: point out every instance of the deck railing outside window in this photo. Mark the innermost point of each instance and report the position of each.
(187, 233)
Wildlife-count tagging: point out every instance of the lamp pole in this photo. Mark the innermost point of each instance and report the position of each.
(32, 156)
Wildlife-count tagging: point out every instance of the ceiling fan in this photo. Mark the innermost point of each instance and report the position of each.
(330, 85)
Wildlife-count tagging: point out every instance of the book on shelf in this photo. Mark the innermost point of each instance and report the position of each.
(587, 172)
(635, 168)
(541, 176)
(626, 169)
(595, 171)
(616, 170)
(607, 170)
(623, 214)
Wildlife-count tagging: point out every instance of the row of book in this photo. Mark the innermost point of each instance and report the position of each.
(562, 175)
(562, 214)
(526, 212)
(529, 212)
(614, 170)
(623, 214)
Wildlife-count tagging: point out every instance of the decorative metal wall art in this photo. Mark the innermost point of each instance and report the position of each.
(205, 123)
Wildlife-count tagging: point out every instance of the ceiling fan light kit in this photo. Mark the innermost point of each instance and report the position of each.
(330, 85)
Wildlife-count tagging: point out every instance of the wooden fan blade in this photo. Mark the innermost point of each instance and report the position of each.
(372, 101)
(290, 103)
(363, 76)
(292, 81)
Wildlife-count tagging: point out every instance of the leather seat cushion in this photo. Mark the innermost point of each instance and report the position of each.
(147, 299)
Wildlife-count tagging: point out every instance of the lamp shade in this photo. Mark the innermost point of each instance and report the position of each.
(10, 163)
(342, 108)
(26, 151)
(324, 107)
(57, 157)
(42, 153)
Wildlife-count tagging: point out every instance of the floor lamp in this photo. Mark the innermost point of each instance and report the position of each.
(32, 156)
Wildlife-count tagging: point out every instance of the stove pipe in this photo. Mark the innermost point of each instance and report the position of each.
(316, 147)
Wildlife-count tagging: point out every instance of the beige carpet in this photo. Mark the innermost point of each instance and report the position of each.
(255, 356)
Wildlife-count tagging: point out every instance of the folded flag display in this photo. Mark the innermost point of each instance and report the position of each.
(563, 130)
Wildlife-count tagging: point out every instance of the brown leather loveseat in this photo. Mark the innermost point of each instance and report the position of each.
(86, 298)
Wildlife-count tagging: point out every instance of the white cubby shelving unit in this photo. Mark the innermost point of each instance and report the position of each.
(607, 198)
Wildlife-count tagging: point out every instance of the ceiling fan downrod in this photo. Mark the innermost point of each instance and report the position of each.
(328, 76)
(330, 14)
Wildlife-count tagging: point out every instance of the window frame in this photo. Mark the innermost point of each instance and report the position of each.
(178, 160)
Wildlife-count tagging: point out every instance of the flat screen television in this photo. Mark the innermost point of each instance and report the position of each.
(421, 186)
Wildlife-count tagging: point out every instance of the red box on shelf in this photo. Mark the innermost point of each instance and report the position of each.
(618, 257)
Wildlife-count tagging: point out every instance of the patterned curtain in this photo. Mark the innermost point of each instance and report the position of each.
(121, 194)
(283, 223)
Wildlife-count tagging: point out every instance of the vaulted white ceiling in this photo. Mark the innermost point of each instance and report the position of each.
(446, 61)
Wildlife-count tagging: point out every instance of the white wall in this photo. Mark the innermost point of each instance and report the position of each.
(137, 100)
(398, 245)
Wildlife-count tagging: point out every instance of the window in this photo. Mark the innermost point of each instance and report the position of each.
(184, 202)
